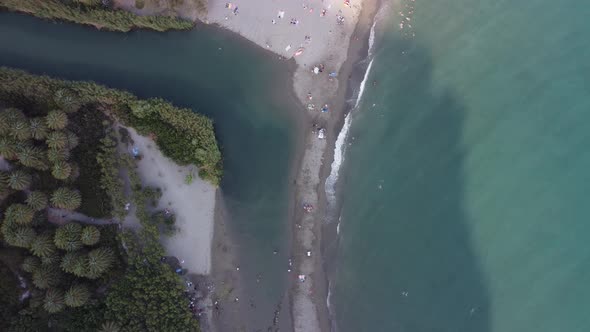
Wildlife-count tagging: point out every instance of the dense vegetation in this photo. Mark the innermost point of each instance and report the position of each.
(182, 135)
(94, 12)
(58, 146)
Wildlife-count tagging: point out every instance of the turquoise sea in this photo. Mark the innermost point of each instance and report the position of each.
(466, 185)
(211, 72)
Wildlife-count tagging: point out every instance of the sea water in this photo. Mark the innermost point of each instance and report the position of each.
(245, 92)
(467, 170)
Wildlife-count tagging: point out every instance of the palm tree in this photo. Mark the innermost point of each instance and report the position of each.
(31, 264)
(19, 180)
(38, 128)
(42, 245)
(73, 262)
(54, 300)
(20, 129)
(77, 296)
(19, 214)
(56, 120)
(7, 148)
(56, 140)
(52, 259)
(99, 260)
(109, 327)
(65, 198)
(30, 156)
(61, 170)
(21, 237)
(46, 276)
(13, 114)
(55, 154)
(37, 200)
(72, 139)
(90, 235)
(66, 100)
(67, 237)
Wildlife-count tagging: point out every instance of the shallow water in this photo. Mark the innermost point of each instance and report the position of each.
(465, 186)
(211, 72)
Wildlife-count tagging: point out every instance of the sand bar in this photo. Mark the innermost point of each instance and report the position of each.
(193, 204)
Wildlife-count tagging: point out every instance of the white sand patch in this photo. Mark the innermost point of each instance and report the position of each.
(193, 204)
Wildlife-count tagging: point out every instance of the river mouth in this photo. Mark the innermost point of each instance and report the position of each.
(245, 90)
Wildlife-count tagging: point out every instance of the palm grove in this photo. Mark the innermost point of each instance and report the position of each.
(59, 155)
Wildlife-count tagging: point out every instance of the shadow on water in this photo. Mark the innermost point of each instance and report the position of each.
(406, 262)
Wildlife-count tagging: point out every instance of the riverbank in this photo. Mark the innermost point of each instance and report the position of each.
(325, 61)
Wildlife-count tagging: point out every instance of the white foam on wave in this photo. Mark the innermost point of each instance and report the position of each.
(340, 147)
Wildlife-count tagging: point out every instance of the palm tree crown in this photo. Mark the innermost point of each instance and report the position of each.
(77, 296)
(72, 139)
(55, 154)
(61, 170)
(19, 214)
(7, 148)
(30, 156)
(66, 100)
(37, 200)
(90, 235)
(42, 245)
(99, 261)
(65, 198)
(46, 276)
(19, 236)
(54, 300)
(56, 140)
(38, 128)
(19, 180)
(31, 264)
(56, 120)
(67, 237)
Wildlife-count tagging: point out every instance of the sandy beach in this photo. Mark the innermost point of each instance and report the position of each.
(192, 204)
(323, 38)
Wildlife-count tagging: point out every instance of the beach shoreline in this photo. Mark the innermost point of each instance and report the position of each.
(341, 50)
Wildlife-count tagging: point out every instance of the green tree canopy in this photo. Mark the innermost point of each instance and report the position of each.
(38, 128)
(67, 237)
(7, 148)
(42, 245)
(54, 300)
(19, 214)
(54, 154)
(90, 235)
(77, 295)
(74, 263)
(99, 261)
(46, 276)
(37, 200)
(31, 264)
(56, 140)
(65, 198)
(56, 120)
(61, 170)
(19, 180)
